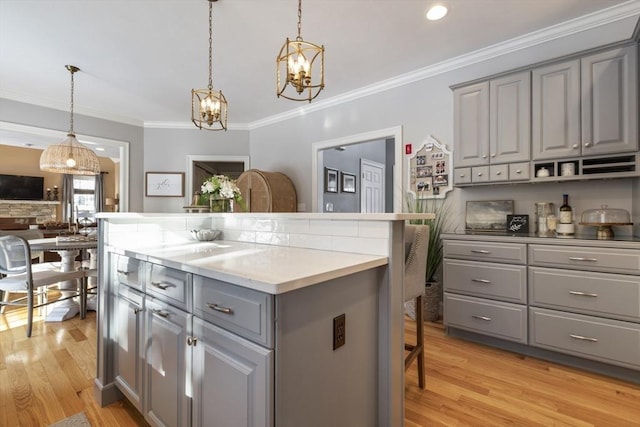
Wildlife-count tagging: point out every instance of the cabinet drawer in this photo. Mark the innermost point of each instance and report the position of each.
(128, 271)
(501, 281)
(462, 176)
(499, 319)
(499, 172)
(604, 294)
(605, 340)
(246, 312)
(131, 294)
(596, 259)
(512, 253)
(518, 171)
(170, 285)
(480, 174)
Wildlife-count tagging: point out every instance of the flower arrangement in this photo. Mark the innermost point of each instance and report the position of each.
(220, 187)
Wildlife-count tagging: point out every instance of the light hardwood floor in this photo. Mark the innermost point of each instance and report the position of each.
(50, 376)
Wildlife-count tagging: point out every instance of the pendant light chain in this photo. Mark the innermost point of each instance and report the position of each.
(210, 45)
(299, 20)
(71, 120)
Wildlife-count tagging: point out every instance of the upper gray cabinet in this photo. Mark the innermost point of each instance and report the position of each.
(471, 125)
(610, 101)
(555, 111)
(586, 106)
(492, 121)
(510, 118)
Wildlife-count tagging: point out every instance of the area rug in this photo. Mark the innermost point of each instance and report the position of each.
(77, 420)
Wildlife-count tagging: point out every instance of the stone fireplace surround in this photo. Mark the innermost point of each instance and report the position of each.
(28, 211)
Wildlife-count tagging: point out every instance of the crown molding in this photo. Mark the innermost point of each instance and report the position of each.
(613, 14)
(189, 125)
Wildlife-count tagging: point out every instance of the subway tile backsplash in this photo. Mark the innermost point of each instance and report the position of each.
(366, 237)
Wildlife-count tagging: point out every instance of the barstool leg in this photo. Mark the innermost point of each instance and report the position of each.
(420, 339)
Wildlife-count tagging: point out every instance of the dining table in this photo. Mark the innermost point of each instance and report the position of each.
(68, 247)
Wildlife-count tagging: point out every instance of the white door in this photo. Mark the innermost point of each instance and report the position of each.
(371, 186)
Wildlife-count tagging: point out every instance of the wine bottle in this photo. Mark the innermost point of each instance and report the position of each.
(566, 212)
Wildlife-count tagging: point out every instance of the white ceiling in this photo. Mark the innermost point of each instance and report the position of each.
(139, 59)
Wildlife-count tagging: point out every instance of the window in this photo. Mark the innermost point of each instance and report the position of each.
(84, 196)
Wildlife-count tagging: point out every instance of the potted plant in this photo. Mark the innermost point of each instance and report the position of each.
(218, 191)
(435, 251)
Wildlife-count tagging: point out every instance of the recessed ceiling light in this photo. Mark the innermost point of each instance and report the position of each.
(436, 12)
(99, 149)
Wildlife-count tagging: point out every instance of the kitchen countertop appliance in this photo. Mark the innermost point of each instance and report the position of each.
(604, 218)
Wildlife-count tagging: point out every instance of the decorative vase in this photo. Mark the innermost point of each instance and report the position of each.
(219, 204)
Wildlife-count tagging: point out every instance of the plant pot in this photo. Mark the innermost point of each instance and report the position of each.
(219, 205)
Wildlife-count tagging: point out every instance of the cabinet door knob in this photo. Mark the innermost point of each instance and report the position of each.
(498, 173)
(479, 173)
(587, 144)
(575, 146)
(493, 154)
(519, 171)
(192, 341)
(461, 175)
(484, 157)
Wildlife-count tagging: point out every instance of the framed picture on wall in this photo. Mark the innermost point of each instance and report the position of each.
(164, 184)
(330, 180)
(347, 182)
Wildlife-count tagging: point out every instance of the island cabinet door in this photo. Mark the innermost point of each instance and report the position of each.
(167, 368)
(232, 379)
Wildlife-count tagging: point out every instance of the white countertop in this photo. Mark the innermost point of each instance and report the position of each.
(291, 215)
(266, 268)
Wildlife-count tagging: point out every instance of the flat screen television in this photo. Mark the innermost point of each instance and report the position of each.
(16, 187)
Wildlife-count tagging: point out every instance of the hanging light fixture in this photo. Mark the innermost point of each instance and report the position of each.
(209, 106)
(300, 67)
(70, 156)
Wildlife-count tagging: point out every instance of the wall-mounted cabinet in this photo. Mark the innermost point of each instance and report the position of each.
(586, 106)
(582, 113)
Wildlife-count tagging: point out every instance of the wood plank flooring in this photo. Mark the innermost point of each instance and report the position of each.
(49, 376)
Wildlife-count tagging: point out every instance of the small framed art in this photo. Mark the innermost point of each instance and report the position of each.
(330, 180)
(164, 184)
(347, 182)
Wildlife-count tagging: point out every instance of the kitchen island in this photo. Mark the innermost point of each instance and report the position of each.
(288, 320)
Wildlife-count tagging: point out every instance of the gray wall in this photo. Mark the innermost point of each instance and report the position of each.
(167, 150)
(349, 161)
(48, 118)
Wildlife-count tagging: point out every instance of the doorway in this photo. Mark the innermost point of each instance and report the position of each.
(372, 186)
(394, 183)
(201, 167)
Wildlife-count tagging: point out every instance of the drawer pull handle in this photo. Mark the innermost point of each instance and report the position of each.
(216, 307)
(163, 285)
(481, 281)
(581, 338)
(480, 251)
(160, 313)
(123, 272)
(485, 318)
(583, 294)
(577, 258)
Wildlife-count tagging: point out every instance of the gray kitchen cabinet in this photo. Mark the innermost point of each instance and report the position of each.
(484, 294)
(471, 125)
(128, 327)
(555, 111)
(491, 127)
(510, 118)
(224, 362)
(575, 301)
(167, 365)
(129, 340)
(610, 101)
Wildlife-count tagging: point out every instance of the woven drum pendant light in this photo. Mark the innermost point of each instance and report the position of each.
(70, 156)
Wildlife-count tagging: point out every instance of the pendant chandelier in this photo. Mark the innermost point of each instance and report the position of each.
(209, 106)
(300, 67)
(70, 156)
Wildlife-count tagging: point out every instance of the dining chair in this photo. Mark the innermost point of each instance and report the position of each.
(21, 276)
(416, 239)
